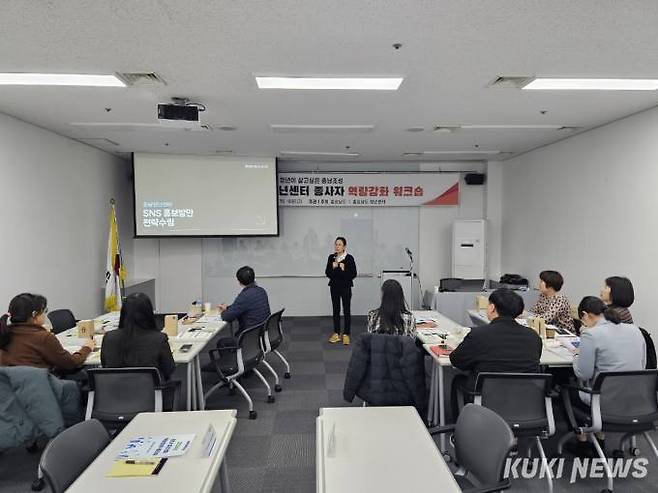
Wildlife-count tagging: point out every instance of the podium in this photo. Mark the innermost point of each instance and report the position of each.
(405, 279)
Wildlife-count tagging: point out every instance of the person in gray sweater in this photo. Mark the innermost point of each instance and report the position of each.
(606, 345)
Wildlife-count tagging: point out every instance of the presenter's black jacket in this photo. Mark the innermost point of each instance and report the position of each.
(502, 346)
(338, 277)
(147, 348)
(387, 370)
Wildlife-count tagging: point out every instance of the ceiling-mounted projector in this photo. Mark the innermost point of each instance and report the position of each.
(181, 113)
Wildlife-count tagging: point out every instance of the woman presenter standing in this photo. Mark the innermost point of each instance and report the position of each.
(341, 271)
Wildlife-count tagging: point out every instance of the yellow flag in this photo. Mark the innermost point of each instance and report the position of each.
(115, 271)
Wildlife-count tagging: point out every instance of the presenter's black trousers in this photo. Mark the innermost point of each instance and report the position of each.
(343, 294)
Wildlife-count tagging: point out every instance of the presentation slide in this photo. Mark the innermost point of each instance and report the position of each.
(183, 195)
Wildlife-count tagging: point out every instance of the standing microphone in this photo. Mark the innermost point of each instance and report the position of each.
(408, 252)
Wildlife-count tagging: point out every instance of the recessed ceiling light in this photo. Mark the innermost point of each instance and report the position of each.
(415, 129)
(541, 83)
(284, 128)
(452, 128)
(517, 127)
(412, 154)
(225, 128)
(30, 79)
(346, 83)
(319, 153)
(445, 129)
(465, 151)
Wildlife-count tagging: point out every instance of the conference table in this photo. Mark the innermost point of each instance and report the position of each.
(380, 449)
(194, 336)
(194, 472)
(451, 333)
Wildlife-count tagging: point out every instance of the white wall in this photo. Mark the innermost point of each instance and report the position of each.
(54, 222)
(493, 208)
(177, 285)
(588, 207)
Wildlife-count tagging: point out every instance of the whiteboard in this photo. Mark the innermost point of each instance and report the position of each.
(376, 238)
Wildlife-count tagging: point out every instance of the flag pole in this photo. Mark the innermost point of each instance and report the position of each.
(113, 203)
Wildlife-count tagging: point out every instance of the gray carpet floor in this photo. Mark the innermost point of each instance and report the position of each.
(276, 452)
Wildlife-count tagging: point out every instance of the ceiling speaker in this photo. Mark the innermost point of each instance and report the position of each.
(475, 178)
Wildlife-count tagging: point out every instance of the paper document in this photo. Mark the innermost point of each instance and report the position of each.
(209, 441)
(156, 446)
(561, 351)
(195, 334)
(570, 343)
(130, 468)
(210, 319)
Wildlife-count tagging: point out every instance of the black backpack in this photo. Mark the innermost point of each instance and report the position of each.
(513, 279)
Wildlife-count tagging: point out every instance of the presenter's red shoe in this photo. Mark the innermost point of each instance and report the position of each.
(335, 338)
(346, 340)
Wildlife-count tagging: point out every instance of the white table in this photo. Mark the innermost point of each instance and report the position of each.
(189, 473)
(378, 449)
(198, 334)
(454, 304)
(552, 355)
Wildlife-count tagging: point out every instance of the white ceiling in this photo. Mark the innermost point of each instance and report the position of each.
(210, 51)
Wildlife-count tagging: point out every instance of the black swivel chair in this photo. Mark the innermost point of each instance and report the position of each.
(117, 395)
(231, 362)
(69, 453)
(621, 402)
(61, 320)
(272, 339)
(524, 401)
(483, 441)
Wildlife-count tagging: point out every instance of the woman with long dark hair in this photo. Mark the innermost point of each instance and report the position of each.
(138, 341)
(341, 271)
(24, 341)
(392, 316)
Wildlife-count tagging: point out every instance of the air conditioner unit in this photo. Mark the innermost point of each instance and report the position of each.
(468, 249)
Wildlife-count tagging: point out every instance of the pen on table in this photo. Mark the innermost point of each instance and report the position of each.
(142, 462)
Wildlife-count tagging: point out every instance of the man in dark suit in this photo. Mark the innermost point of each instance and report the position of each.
(251, 307)
(503, 346)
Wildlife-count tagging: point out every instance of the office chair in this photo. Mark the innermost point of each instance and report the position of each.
(117, 395)
(524, 401)
(651, 362)
(61, 320)
(272, 339)
(483, 441)
(69, 453)
(621, 402)
(231, 362)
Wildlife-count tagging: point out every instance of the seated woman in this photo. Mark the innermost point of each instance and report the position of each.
(552, 305)
(139, 342)
(392, 316)
(618, 294)
(24, 341)
(605, 345)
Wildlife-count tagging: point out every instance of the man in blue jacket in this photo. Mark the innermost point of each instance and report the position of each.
(251, 307)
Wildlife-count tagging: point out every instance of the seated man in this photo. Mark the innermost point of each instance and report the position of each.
(552, 305)
(502, 346)
(251, 307)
